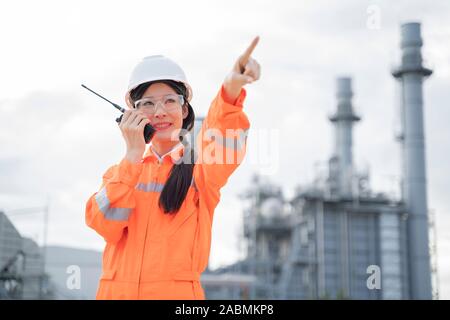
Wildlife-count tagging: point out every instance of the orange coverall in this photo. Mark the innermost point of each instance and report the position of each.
(149, 254)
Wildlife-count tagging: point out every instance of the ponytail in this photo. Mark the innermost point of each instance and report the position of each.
(178, 183)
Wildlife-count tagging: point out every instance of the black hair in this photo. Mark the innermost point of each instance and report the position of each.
(180, 177)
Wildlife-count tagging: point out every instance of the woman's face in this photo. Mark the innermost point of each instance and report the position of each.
(168, 124)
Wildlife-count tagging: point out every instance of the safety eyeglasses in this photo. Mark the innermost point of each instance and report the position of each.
(169, 102)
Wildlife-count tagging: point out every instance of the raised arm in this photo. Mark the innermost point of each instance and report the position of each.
(222, 139)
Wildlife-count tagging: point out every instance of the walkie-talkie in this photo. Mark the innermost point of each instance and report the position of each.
(149, 131)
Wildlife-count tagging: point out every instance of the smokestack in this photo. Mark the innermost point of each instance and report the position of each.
(343, 122)
(411, 74)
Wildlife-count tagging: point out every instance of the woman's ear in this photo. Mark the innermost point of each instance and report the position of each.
(185, 111)
(128, 101)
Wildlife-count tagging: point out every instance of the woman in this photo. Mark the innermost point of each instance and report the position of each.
(155, 210)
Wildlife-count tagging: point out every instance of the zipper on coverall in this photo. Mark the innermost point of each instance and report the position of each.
(146, 229)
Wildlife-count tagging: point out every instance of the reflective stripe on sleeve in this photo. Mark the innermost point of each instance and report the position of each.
(116, 214)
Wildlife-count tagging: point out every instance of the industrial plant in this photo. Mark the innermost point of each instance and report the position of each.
(337, 239)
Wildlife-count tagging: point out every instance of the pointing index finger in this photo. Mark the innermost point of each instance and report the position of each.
(249, 50)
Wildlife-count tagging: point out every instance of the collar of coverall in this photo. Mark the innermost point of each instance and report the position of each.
(170, 157)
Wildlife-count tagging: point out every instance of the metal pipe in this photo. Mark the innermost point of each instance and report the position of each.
(411, 74)
(343, 120)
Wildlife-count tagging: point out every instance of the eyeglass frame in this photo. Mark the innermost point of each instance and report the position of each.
(181, 101)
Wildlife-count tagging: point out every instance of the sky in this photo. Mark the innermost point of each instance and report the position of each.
(58, 139)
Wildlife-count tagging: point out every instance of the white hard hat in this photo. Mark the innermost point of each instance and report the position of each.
(156, 67)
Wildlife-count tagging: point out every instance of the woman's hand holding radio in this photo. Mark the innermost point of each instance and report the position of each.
(132, 127)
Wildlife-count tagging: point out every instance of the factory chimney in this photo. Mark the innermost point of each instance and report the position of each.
(411, 74)
(343, 122)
